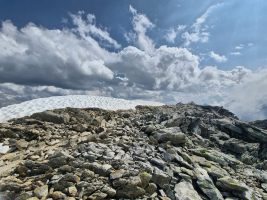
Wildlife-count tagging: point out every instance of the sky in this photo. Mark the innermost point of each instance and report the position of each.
(207, 52)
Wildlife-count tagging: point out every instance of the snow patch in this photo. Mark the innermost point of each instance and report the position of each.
(3, 149)
(28, 108)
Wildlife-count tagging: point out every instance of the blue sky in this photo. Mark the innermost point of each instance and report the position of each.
(209, 51)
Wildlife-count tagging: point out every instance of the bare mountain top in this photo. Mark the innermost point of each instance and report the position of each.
(178, 152)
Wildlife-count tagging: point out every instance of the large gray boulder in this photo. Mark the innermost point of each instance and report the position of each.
(172, 134)
(49, 116)
(206, 184)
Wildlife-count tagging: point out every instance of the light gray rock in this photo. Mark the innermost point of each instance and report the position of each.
(206, 184)
(41, 192)
(172, 134)
(185, 191)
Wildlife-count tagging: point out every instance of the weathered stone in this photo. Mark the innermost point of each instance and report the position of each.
(130, 191)
(22, 144)
(41, 192)
(230, 184)
(49, 116)
(151, 188)
(173, 134)
(160, 178)
(72, 191)
(98, 196)
(117, 174)
(145, 178)
(205, 183)
(185, 191)
(235, 146)
(57, 195)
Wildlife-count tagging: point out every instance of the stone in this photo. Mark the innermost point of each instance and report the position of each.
(109, 191)
(117, 174)
(22, 144)
(98, 196)
(206, 184)
(185, 191)
(264, 186)
(41, 192)
(57, 195)
(151, 188)
(158, 162)
(49, 116)
(103, 170)
(145, 178)
(70, 178)
(72, 191)
(131, 192)
(172, 134)
(57, 162)
(235, 146)
(160, 178)
(229, 184)
(216, 172)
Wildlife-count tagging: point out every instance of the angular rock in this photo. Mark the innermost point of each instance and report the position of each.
(160, 178)
(185, 191)
(117, 174)
(41, 192)
(131, 192)
(229, 184)
(206, 184)
(172, 134)
(49, 116)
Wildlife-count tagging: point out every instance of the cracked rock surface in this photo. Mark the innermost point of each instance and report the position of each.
(181, 152)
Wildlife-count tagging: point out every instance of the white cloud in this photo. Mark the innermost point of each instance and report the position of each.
(38, 62)
(236, 53)
(217, 57)
(87, 28)
(239, 47)
(140, 25)
(198, 33)
(172, 33)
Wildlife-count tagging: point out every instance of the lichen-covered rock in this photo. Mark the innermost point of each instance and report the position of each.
(229, 184)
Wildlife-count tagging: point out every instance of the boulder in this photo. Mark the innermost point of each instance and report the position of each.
(229, 184)
(49, 116)
(206, 184)
(172, 134)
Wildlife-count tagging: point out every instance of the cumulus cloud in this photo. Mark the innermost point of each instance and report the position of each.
(39, 62)
(140, 25)
(217, 57)
(198, 32)
(29, 55)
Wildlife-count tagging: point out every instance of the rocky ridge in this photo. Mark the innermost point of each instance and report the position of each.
(183, 152)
